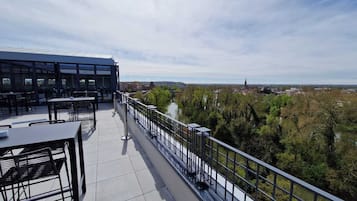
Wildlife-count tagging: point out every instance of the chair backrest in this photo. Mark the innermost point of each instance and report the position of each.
(5, 127)
(47, 122)
(27, 159)
(5, 165)
(34, 157)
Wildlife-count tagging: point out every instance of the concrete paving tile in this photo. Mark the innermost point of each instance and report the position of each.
(90, 158)
(104, 139)
(90, 147)
(116, 144)
(110, 155)
(148, 181)
(118, 188)
(139, 198)
(114, 168)
(91, 173)
(91, 193)
(139, 163)
(154, 196)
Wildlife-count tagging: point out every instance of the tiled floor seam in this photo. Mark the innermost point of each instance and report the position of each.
(142, 195)
(136, 177)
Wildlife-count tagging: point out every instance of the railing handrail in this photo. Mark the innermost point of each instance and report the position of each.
(165, 115)
(276, 170)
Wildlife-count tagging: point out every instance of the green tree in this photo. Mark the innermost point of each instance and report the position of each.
(160, 97)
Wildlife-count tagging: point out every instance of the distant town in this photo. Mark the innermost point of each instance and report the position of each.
(238, 88)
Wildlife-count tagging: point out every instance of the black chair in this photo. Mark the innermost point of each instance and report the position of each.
(68, 107)
(27, 169)
(31, 100)
(4, 127)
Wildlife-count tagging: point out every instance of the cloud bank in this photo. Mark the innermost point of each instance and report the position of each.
(202, 41)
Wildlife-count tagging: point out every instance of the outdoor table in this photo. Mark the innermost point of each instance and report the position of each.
(55, 101)
(87, 94)
(46, 135)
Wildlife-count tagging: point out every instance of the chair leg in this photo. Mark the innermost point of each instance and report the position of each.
(18, 191)
(13, 191)
(67, 173)
(24, 187)
(61, 186)
(3, 192)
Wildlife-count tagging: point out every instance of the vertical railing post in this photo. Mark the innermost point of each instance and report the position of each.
(190, 150)
(150, 110)
(135, 101)
(202, 135)
(115, 105)
(126, 132)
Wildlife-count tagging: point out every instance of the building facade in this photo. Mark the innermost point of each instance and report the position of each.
(52, 75)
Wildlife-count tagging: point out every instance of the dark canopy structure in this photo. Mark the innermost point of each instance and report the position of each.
(57, 75)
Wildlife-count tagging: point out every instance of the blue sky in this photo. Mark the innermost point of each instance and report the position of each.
(201, 41)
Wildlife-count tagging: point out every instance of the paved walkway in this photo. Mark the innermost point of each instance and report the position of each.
(115, 170)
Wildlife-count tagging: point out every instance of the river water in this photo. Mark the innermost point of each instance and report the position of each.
(172, 110)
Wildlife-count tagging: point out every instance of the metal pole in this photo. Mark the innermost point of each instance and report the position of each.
(114, 104)
(126, 133)
(135, 100)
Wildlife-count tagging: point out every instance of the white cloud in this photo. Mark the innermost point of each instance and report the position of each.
(271, 41)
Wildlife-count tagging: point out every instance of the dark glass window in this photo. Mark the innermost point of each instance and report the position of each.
(68, 75)
(82, 83)
(40, 82)
(68, 68)
(91, 83)
(20, 71)
(28, 82)
(64, 82)
(5, 68)
(86, 69)
(6, 81)
(103, 70)
(51, 82)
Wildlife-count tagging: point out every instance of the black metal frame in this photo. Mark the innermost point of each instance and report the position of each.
(74, 101)
(24, 172)
(75, 151)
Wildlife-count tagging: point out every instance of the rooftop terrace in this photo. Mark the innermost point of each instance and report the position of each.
(115, 169)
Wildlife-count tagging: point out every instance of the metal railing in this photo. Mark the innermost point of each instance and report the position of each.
(215, 170)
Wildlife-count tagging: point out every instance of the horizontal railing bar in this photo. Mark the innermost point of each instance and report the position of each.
(278, 171)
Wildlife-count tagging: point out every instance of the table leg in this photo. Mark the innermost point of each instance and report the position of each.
(16, 110)
(74, 172)
(49, 111)
(94, 116)
(81, 160)
(27, 105)
(9, 104)
(55, 110)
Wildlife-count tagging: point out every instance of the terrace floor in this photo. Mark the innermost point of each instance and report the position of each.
(115, 169)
